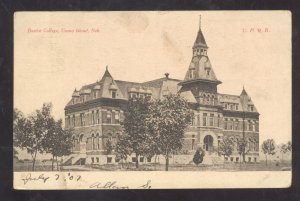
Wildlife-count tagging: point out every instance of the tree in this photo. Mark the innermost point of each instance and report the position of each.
(268, 148)
(58, 141)
(109, 147)
(198, 157)
(30, 132)
(242, 148)
(135, 126)
(167, 121)
(285, 148)
(226, 146)
(123, 147)
(289, 146)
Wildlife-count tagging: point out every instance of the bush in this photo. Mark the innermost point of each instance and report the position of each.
(198, 157)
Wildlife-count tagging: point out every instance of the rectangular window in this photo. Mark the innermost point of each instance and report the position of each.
(226, 106)
(149, 159)
(211, 120)
(82, 120)
(93, 117)
(74, 120)
(117, 117)
(97, 116)
(97, 159)
(236, 125)
(237, 107)
(256, 126)
(204, 119)
(108, 117)
(95, 94)
(141, 159)
(198, 119)
(230, 126)
(109, 159)
(69, 121)
(113, 94)
(133, 159)
(92, 159)
(250, 125)
(225, 124)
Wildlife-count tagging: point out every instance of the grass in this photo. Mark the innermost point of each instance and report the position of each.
(227, 167)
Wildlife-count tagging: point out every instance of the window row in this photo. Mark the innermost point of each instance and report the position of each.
(209, 99)
(140, 95)
(93, 118)
(94, 142)
(109, 159)
(207, 120)
(230, 106)
(235, 124)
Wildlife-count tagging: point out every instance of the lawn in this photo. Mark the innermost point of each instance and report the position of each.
(227, 167)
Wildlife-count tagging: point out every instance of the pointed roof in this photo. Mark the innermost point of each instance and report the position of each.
(108, 83)
(106, 74)
(202, 70)
(244, 93)
(200, 40)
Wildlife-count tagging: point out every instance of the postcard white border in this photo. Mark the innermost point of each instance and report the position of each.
(152, 180)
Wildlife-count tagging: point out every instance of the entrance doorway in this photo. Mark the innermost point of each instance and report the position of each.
(208, 143)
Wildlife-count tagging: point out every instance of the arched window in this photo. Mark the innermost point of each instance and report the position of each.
(204, 98)
(212, 100)
(97, 141)
(73, 141)
(237, 139)
(93, 142)
(208, 99)
(81, 138)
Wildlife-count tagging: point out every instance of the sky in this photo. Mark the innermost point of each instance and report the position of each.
(142, 46)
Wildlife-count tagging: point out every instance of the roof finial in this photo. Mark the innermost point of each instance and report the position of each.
(243, 86)
(199, 22)
(106, 67)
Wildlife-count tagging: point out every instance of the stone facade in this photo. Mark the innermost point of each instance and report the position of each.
(95, 111)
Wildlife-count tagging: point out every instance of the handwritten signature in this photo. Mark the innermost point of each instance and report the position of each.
(41, 177)
(114, 185)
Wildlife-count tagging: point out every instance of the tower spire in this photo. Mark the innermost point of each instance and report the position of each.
(199, 22)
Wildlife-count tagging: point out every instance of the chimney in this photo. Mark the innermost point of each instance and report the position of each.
(167, 75)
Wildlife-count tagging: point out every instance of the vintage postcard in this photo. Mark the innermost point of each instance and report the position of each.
(152, 100)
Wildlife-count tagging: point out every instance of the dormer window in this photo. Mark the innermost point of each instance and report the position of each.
(192, 73)
(251, 108)
(132, 95)
(113, 94)
(207, 72)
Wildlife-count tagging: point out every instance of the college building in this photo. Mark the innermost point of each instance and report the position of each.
(95, 111)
